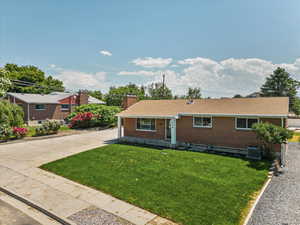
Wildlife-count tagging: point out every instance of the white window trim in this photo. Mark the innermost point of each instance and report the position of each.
(237, 128)
(136, 123)
(197, 126)
(40, 109)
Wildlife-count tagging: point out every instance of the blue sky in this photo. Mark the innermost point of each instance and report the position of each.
(222, 46)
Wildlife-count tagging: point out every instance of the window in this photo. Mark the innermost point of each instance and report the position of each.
(64, 107)
(146, 124)
(39, 107)
(205, 122)
(245, 123)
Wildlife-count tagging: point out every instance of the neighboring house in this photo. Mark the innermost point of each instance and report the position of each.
(56, 106)
(93, 100)
(254, 95)
(211, 122)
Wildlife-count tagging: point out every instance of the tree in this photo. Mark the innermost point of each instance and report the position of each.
(270, 134)
(11, 114)
(5, 83)
(159, 91)
(296, 106)
(115, 95)
(237, 96)
(96, 94)
(194, 93)
(30, 79)
(280, 83)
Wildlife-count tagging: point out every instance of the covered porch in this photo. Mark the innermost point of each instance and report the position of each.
(164, 128)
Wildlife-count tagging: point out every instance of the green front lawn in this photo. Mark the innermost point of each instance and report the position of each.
(187, 187)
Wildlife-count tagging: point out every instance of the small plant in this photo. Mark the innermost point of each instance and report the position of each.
(48, 127)
(19, 132)
(5, 131)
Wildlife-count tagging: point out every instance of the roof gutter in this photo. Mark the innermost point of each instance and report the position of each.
(235, 115)
(148, 116)
(205, 114)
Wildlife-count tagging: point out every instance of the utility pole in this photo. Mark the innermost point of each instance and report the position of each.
(164, 85)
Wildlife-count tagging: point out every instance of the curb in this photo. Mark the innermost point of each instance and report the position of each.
(257, 199)
(38, 208)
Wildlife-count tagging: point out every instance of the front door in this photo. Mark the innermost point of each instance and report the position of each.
(168, 129)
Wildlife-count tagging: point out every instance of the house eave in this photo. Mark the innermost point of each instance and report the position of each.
(205, 114)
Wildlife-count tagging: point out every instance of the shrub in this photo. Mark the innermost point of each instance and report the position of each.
(48, 127)
(19, 132)
(82, 120)
(5, 131)
(11, 114)
(102, 115)
(270, 134)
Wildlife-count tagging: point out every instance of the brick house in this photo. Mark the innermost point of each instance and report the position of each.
(224, 123)
(54, 106)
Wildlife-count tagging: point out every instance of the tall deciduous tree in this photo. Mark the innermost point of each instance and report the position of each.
(280, 83)
(194, 93)
(159, 91)
(96, 94)
(5, 83)
(30, 79)
(115, 95)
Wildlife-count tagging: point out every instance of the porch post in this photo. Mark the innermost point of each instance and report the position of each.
(119, 127)
(173, 132)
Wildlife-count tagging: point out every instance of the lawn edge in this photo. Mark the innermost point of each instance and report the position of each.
(261, 192)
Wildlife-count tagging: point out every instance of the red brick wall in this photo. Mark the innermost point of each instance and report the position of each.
(83, 98)
(130, 129)
(128, 101)
(223, 132)
(51, 111)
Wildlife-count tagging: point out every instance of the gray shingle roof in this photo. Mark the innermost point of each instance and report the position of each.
(93, 100)
(40, 98)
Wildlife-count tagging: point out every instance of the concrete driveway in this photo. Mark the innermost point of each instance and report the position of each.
(35, 153)
(280, 203)
(19, 174)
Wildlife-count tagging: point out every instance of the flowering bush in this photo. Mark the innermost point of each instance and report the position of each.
(48, 127)
(102, 115)
(82, 120)
(19, 132)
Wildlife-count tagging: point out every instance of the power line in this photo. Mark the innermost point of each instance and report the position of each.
(30, 84)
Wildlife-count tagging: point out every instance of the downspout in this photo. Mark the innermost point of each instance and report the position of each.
(28, 111)
(119, 127)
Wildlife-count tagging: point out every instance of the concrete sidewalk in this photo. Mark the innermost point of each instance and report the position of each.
(19, 173)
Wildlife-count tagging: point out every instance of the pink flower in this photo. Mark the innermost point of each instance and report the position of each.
(20, 131)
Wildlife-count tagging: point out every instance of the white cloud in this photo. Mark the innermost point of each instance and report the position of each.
(52, 66)
(224, 78)
(138, 73)
(149, 62)
(80, 80)
(105, 53)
